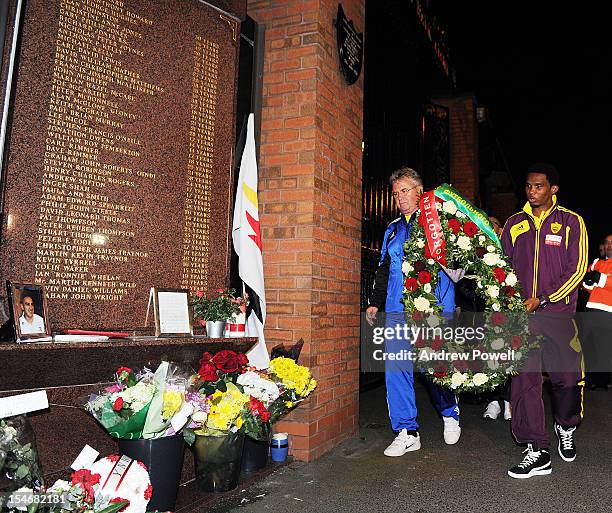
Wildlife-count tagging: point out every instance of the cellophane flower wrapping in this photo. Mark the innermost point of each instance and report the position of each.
(143, 404)
(19, 463)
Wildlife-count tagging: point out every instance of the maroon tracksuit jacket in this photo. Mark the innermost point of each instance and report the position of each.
(550, 256)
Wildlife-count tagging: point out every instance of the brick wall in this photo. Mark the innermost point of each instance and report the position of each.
(464, 144)
(310, 208)
(503, 205)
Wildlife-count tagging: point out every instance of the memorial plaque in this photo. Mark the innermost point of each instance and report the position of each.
(350, 47)
(118, 176)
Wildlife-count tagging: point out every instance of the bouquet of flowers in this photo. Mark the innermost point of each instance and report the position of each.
(221, 305)
(262, 393)
(227, 395)
(19, 464)
(110, 485)
(272, 393)
(143, 404)
(82, 493)
(214, 397)
(295, 383)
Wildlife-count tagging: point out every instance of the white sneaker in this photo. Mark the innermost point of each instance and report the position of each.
(403, 443)
(493, 410)
(507, 411)
(452, 431)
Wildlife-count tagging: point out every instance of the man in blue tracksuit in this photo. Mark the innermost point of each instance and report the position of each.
(407, 188)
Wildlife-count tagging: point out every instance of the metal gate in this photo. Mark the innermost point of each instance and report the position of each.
(434, 145)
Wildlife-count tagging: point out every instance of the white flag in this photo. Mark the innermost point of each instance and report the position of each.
(246, 235)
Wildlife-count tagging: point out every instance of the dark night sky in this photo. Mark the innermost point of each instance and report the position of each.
(543, 71)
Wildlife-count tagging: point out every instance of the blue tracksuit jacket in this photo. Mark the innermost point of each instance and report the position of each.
(399, 377)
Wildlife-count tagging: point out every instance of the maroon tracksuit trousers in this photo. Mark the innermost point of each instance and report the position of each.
(560, 356)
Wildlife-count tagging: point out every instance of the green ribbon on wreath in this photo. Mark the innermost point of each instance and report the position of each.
(477, 216)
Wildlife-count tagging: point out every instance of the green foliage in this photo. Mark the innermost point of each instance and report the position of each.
(219, 306)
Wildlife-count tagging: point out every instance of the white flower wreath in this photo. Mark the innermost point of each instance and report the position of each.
(470, 244)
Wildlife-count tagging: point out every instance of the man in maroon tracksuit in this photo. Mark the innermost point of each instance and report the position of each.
(547, 245)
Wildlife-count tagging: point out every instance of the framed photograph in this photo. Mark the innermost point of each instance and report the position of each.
(173, 316)
(28, 305)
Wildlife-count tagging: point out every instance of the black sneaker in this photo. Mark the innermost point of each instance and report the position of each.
(567, 447)
(535, 463)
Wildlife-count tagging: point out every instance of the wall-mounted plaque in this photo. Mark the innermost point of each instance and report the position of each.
(350, 47)
(119, 166)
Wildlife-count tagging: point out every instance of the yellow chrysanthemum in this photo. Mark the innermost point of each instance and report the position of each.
(223, 413)
(293, 376)
(173, 400)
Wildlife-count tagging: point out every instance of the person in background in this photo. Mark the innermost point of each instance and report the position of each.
(598, 318)
(407, 188)
(547, 245)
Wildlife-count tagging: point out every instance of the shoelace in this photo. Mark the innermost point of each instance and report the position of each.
(449, 425)
(567, 437)
(531, 457)
(401, 440)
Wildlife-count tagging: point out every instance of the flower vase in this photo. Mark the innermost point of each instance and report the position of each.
(215, 329)
(163, 458)
(255, 454)
(217, 461)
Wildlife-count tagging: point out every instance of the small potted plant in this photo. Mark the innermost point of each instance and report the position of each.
(213, 310)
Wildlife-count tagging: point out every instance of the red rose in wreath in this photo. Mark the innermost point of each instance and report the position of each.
(475, 365)
(419, 343)
(437, 343)
(461, 365)
(424, 277)
(118, 404)
(500, 274)
(516, 342)
(419, 266)
(411, 284)
(509, 291)
(417, 316)
(440, 371)
(498, 319)
(470, 229)
(454, 226)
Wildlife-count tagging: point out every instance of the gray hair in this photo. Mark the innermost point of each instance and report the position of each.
(405, 172)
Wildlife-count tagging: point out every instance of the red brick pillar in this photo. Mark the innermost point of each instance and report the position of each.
(464, 144)
(310, 207)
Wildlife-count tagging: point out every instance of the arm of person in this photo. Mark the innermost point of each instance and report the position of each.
(379, 292)
(381, 282)
(506, 240)
(593, 278)
(574, 262)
